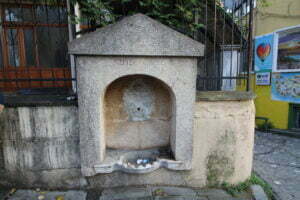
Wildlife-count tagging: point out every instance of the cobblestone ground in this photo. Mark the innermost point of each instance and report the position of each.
(133, 193)
(277, 160)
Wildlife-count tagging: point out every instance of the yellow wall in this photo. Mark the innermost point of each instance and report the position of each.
(276, 111)
(279, 14)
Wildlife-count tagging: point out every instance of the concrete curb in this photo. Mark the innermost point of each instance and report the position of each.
(286, 133)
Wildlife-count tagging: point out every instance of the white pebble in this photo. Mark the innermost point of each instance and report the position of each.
(41, 197)
(277, 182)
(148, 166)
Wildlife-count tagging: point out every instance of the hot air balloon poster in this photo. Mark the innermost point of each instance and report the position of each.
(264, 53)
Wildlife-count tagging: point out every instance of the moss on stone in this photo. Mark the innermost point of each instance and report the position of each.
(227, 138)
(219, 167)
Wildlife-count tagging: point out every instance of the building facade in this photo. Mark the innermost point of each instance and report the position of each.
(275, 18)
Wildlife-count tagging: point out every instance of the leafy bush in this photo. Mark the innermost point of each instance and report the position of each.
(267, 125)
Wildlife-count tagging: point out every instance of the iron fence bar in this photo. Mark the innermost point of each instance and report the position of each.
(250, 44)
(205, 39)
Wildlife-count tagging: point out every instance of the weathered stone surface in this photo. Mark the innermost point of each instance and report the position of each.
(125, 193)
(213, 193)
(40, 138)
(225, 142)
(173, 191)
(225, 134)
(136, 35)
(53, 179)
(138, 113)
(95, 74)
(47, 195)
(224, 96)
(277, 161)
(179, 198)
(258, 193)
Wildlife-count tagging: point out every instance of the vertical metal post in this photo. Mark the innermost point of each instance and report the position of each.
(215, 45)
(72, 58)
(250, 44)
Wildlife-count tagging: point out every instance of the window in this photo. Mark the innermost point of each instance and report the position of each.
(230, 61)
(36, 36)
(239, 7)
(34, 44)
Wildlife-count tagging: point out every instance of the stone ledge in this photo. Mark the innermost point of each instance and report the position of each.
(224, 96)
(17, 100)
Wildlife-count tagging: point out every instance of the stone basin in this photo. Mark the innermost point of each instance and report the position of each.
(126, 161)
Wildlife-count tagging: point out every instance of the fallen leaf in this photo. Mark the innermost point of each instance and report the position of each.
(59, 198)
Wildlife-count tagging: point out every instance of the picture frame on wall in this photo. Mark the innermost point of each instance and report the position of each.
(287, 50)
(264, 53)
(263, 78)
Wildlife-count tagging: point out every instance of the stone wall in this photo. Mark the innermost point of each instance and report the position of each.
(224, 137)
(39, 147)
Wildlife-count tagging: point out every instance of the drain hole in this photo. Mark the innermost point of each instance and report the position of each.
(138, 108)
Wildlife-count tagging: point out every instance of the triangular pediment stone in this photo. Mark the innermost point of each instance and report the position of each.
(136, 35)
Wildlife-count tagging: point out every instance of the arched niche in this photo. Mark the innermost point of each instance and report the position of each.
(139, 113)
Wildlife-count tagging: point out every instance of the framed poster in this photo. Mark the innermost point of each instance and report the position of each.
(263, 78)
(286, 87)
(264, 51)
(287, 42)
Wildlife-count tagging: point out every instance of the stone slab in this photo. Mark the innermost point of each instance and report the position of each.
(258, 192)
(173, 191)
(213, 193)
(136, 35)
(225, 96)
(179, 198)
(46, 195)
(125, 193)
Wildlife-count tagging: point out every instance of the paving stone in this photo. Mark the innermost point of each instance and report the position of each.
(46, 195)
(125, 193)
(213, 193)
(173, 191)
(225, 198)
(3, 193)
(258, 192)
(142, 198)
(138, 198)
(277, 161)
(180, 198)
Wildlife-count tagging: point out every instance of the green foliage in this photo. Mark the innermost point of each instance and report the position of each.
(263, 3)
(267, 125)
(178, 14)
(234, 190)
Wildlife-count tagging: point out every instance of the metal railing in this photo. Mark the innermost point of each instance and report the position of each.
(227, 35)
